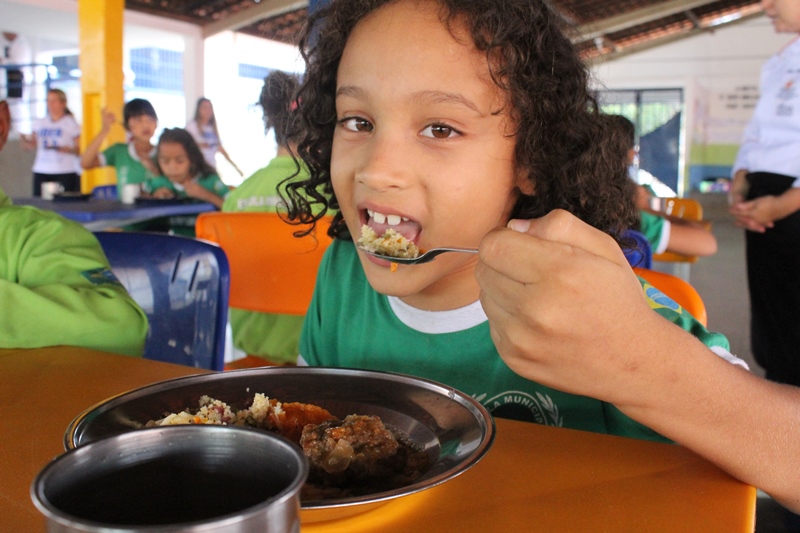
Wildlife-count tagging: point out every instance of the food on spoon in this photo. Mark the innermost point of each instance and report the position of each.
(390, 243)
(355, 456)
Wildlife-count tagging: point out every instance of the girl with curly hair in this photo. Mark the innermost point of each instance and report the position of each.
(442, 120)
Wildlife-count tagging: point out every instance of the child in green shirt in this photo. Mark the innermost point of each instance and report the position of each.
(56, 287)
(133, 160)
(266, 335)
(183, 173)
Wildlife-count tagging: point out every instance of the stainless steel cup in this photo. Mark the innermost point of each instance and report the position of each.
(208, 479)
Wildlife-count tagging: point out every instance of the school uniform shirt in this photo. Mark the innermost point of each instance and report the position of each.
(771, 141)
(184, 224)
(56, 287)
(205, 135)
(656, 229)
(50, 134)
(129, 167)
(350, 325)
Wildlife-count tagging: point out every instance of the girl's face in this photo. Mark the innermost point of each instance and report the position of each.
(422, 146)
(142, 127)
(205, 111)
(174, 162)
(55, 105)
(785, 14)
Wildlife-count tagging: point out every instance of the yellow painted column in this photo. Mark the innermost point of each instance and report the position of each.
(102, 77)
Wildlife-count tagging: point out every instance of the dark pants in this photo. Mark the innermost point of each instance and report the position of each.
(70, 181)
(773, 275)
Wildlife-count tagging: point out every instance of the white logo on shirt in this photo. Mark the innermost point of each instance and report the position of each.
(519, 405)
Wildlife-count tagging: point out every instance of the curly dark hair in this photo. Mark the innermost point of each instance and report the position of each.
(197, 163)
(561, 141)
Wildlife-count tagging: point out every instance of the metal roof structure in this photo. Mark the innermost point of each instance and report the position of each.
(602, 29)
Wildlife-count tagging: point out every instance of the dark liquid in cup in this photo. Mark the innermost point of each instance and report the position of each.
(164, 493)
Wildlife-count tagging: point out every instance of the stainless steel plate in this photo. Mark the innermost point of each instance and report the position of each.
(455, 430)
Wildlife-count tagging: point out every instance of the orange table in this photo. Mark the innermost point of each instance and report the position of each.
(535, 478)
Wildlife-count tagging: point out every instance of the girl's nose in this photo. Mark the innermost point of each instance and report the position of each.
(386, 163)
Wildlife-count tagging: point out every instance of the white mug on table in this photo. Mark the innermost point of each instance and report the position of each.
(50, 189)
(130, 192)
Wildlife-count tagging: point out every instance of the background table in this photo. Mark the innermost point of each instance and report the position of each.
(98, 214)
(535, 478)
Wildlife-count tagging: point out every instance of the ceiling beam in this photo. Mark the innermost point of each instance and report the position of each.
(589, 31)
(654, 43)
(245, 17)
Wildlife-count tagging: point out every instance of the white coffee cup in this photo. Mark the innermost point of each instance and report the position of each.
(130, 192)
(50, 189)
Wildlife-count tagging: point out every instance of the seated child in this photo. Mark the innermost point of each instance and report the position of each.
(133, 160)
(442, 121)
(665, 234)
(270, 336)
(183, 173)
(57, 288)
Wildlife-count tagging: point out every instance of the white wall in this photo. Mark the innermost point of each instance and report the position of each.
(235, 99)
(725, 63)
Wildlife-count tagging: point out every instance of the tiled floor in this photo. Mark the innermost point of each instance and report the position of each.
(721, 281)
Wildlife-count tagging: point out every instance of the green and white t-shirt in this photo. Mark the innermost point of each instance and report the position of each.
(184, 224)
(129, 167)
(349, 325)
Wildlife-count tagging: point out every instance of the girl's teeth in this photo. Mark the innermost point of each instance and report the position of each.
(380, 218)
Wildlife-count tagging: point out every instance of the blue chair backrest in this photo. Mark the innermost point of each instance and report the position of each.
(639, 253)
(183, 286)
(106, 192)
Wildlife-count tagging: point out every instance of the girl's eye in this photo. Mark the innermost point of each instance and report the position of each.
(440, 131)
(356, 124)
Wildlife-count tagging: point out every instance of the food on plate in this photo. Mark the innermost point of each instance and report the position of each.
(355, 456)
(361, 454)
(390, 243)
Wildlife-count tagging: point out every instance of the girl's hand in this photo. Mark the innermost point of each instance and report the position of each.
(108, 118)
(28, 141)
(194, 190)
(163, 193)
(565, 308)
(739, 186)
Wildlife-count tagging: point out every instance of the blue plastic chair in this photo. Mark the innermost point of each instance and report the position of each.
(640, 253)
(182, 284)
(105, 192)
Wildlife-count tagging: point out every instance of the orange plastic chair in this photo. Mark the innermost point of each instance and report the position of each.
(680, 291)
(272, 271)
(683, 208)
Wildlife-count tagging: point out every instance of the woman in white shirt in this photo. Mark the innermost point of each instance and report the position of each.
(56, 139)
(204, 130)
(765, 200)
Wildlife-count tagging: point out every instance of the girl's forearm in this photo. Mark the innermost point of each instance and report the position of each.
(789, 201)
(746, 425)
(89, 157)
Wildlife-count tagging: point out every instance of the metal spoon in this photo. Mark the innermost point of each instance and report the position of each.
(421, 258)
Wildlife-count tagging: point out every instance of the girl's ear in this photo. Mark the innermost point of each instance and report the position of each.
(525, 183)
